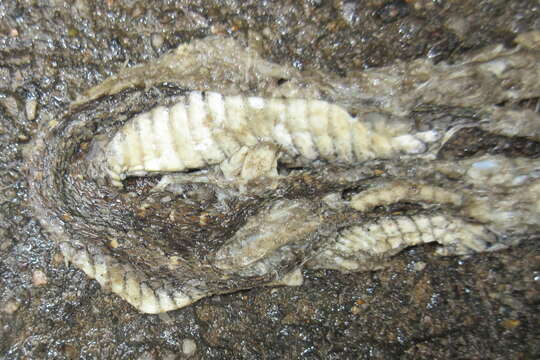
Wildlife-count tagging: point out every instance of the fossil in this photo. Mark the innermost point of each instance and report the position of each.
(208, 129)
(190, 186)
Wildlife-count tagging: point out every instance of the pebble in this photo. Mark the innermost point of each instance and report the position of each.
(157, 41)
(189, 347)
(355, 310)
(58, 259)
(10, 306)
(359, 306)
(6, 243)
(114, 243)
(39, 278)
(31, 107)
(10, 105)
(4, 74)
(510, 324)
(419, 266)
(348, 12)
(529, 40)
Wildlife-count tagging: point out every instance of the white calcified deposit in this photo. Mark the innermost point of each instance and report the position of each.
(362, 139)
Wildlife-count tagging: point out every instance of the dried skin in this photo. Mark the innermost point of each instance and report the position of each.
(159, 249)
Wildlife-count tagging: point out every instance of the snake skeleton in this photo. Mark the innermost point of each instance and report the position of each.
(208, 130)
(244, 191)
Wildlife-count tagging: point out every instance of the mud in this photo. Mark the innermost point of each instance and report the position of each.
(420, 306)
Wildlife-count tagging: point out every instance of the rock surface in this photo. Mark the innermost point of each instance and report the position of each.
(52, 52)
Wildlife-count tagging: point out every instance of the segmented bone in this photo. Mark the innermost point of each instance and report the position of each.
(397, 191)
(207, 129)
(244, 137)
(358, 246)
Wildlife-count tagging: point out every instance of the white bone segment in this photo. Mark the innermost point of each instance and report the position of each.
(208, 129)
(262, 119)
(148, 139)
(133, 148)
(147, 296)
(170, 159)
(222, 135)
(201, 126)
(340, 130)
(396, 191)
(280, 132)
(361, 142)
(297, 123)
(184, 142)
(236, 120)
(318, 122)
(358, 244)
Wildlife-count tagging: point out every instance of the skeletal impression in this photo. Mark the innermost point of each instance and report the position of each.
(191, 187)
(212, 129)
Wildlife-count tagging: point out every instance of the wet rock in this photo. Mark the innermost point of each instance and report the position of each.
(393, 10)
(465, 324)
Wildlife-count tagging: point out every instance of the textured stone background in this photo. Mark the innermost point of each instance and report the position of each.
(421, 306)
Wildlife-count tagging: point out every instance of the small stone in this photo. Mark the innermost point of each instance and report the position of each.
(114, 243)
(5, 240)
(5, 243)
(203, 219)
(165, 318)
(529, 40)
(39, 278)
(359, 306)
(58, 259)
(10, 306)
(189, 347)
(30, 108)
(349, 12)
(267, 32)
(157, 41)
(218, 29)
(419, 266)
(4, 75)
(70, 351)
(73, 32)
(10, 105)
(166, 199)
(17, 79)
(510, 324)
